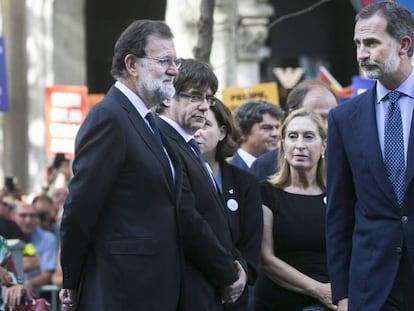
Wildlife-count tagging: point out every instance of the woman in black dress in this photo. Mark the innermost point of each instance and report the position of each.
(293, 273)
(240, 190)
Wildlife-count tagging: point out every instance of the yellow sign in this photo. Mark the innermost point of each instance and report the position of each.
(234, 97)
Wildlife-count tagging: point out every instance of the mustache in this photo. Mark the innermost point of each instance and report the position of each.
(367, 63)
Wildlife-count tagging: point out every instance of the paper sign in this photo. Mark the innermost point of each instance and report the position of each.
(234, 97)
(65, 110)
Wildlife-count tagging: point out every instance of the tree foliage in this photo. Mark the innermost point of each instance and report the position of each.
(202, 50)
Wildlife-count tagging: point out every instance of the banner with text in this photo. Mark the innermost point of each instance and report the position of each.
(268, 92)
(65, 109)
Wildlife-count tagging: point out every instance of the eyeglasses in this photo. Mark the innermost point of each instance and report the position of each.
(197, 98)
(166, 62)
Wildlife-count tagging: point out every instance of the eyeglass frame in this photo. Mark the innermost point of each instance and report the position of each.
(198, 98)
(166, 62)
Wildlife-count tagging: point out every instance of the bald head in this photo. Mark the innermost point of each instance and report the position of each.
(314, 96)
(320, 101)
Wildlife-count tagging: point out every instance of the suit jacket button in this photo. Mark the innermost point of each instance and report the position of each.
(404, 219)
(398, 250)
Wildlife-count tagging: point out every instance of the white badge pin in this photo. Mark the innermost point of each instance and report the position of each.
(232, 205)
(325, 200)
(231, 191)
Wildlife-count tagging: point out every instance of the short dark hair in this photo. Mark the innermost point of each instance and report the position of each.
(251, 112)
(196, 74)
(399, 20)
(228, 146)
(296, 96)
(133, 40)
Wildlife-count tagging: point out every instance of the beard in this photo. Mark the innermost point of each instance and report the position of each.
(155, 90)
(376, 70)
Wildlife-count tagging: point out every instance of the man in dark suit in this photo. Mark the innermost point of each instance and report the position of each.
(121, 227)
(310, 94)
(179, 118)
(259, 123)
(370, 216)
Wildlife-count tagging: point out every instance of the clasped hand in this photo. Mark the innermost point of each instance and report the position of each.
(230, 293)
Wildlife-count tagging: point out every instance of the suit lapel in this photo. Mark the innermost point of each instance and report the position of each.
(144, 131)
(186, 149)
(410, 156)
(364, 127)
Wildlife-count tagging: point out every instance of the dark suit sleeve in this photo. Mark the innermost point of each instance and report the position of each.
(250, 240)
(201, 245)
(340, 215)
(95, 167)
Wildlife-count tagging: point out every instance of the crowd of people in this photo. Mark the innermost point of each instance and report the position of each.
(34, 220)
(202, 208)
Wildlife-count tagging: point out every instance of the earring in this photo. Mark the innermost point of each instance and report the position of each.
(284, 157)
(322, 156)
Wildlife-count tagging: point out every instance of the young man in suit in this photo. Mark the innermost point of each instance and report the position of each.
(179, 119)
(123, 220)
(259, 123)
(370, 216)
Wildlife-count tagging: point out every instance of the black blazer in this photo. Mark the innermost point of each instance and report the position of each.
(201, 291)
(119, 237)
(241, 192)
(265, 165)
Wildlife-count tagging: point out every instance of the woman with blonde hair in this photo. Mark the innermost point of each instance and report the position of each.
(293, 273)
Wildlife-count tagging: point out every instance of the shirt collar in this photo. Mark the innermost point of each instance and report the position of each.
(247, 157)
(406, 88)
(187, 137)
(133, 98)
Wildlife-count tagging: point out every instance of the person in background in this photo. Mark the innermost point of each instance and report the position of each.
(11, 284)
(370, 216)
(259, 123)
(310, 94)
(46, 213)
(294, 274)
(217, 140)
(45, 244)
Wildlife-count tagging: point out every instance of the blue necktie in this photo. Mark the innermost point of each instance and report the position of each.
(154, 127)
(394, 147)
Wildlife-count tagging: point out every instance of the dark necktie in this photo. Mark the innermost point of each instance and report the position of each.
(195, 147)
(394, 147)
(154, 127)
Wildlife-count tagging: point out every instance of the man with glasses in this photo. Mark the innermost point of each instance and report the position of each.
(179, 118)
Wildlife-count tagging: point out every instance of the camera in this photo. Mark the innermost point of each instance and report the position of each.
(10, 183)
(59, 159)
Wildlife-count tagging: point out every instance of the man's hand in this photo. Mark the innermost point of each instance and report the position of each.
(231, 293)
(4, 277)
(343, 305)
(68, 297)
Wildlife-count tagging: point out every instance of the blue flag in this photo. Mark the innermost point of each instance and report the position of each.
(4, 107)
